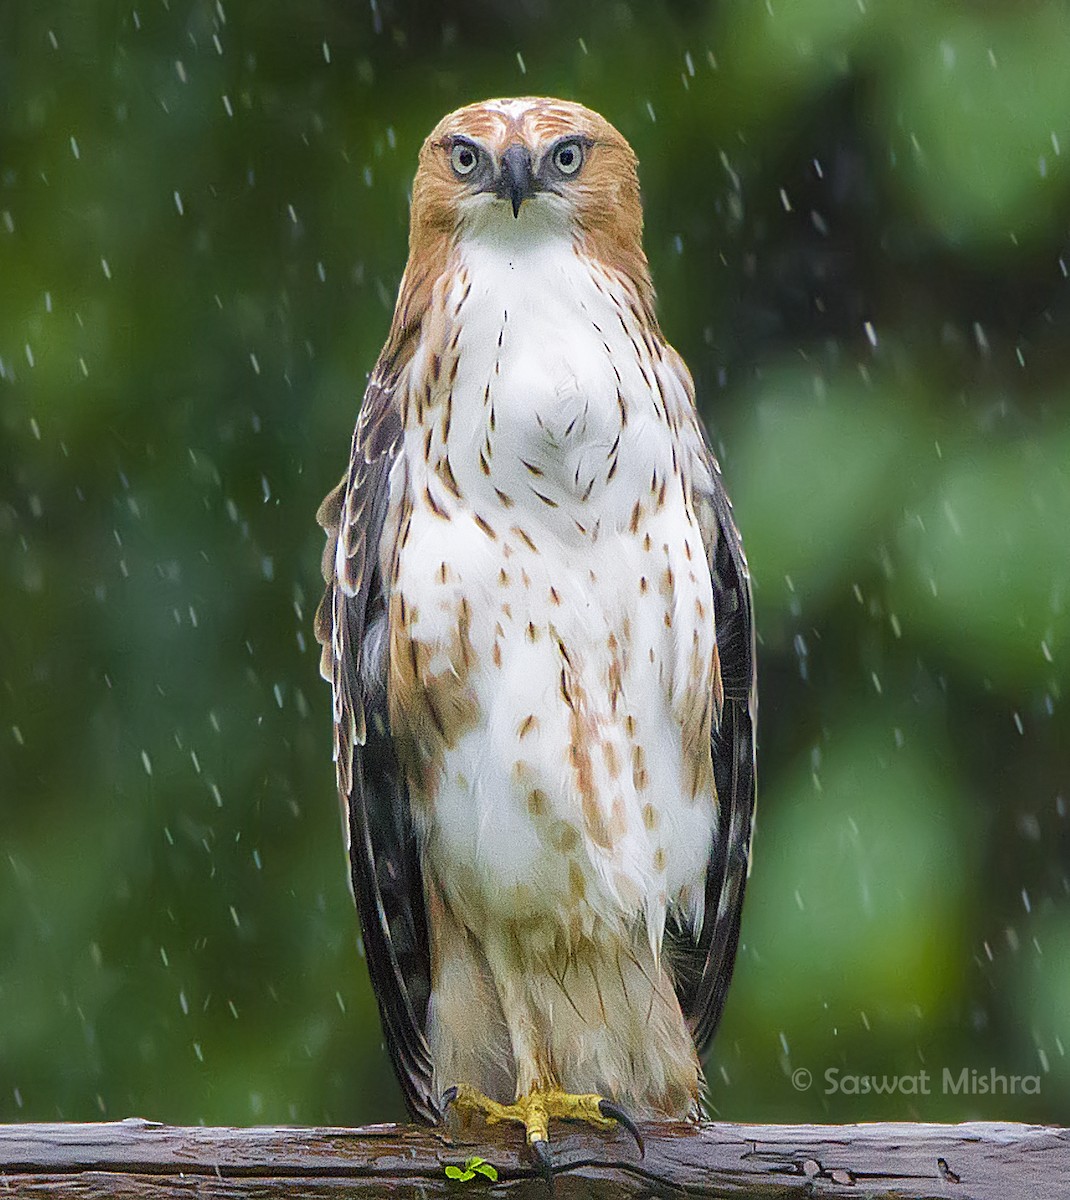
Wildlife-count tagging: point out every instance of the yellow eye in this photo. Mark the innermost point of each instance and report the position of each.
(464, 158)
(568, 157)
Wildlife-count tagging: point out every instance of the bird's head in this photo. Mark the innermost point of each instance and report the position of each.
(534, 164)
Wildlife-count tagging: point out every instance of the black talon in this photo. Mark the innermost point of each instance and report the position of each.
(544, 1160)
(608, 1109)
(448, 1097)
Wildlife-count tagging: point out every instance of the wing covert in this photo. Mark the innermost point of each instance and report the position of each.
(351, 625)
(703, 960)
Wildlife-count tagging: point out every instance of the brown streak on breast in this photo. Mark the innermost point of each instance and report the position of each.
(609, 753)
(487, 528)
(639, 773)
(429, 711)
(583, 734)
(447, 415)
(433, 505)
(614, 674)
(445, 472)
(524, 538)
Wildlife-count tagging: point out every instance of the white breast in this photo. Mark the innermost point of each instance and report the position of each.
(586, 593)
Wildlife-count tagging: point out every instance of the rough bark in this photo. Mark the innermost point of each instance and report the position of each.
(136, 1158)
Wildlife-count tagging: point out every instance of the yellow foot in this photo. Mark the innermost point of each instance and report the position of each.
(535, 1110)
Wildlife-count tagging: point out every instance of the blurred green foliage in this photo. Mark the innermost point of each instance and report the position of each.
(858, 217)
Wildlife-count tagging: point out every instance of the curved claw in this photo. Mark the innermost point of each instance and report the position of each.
(608, 1109)
(543, 1159)
(448, 1097)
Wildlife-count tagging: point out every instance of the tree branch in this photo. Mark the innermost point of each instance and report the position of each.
(136, 1158)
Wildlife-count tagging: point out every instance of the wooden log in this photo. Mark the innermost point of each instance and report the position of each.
(135, 1158)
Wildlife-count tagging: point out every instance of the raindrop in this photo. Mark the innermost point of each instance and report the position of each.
(521, 64)
(178, 204)
(74, 147)
(146, 762)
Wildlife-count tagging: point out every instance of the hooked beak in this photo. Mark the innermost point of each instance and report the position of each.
(516, 182)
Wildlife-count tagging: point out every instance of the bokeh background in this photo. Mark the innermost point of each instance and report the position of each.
(858, 218)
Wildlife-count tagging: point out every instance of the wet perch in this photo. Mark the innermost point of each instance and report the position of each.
(136, 1158)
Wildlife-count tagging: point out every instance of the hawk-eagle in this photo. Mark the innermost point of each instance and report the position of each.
(537, 628)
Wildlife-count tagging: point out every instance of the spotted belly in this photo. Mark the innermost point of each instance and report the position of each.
(554, 708)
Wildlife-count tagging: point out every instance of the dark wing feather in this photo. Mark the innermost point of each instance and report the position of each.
(351, 624)
(703, 962)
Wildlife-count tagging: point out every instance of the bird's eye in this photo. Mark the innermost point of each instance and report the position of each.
(568, 157)
(464, 158)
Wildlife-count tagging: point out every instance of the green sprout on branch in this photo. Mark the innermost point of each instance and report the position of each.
(472, 1167)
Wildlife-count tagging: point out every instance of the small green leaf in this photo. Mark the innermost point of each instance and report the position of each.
(484, 1168)
(457, 1173)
